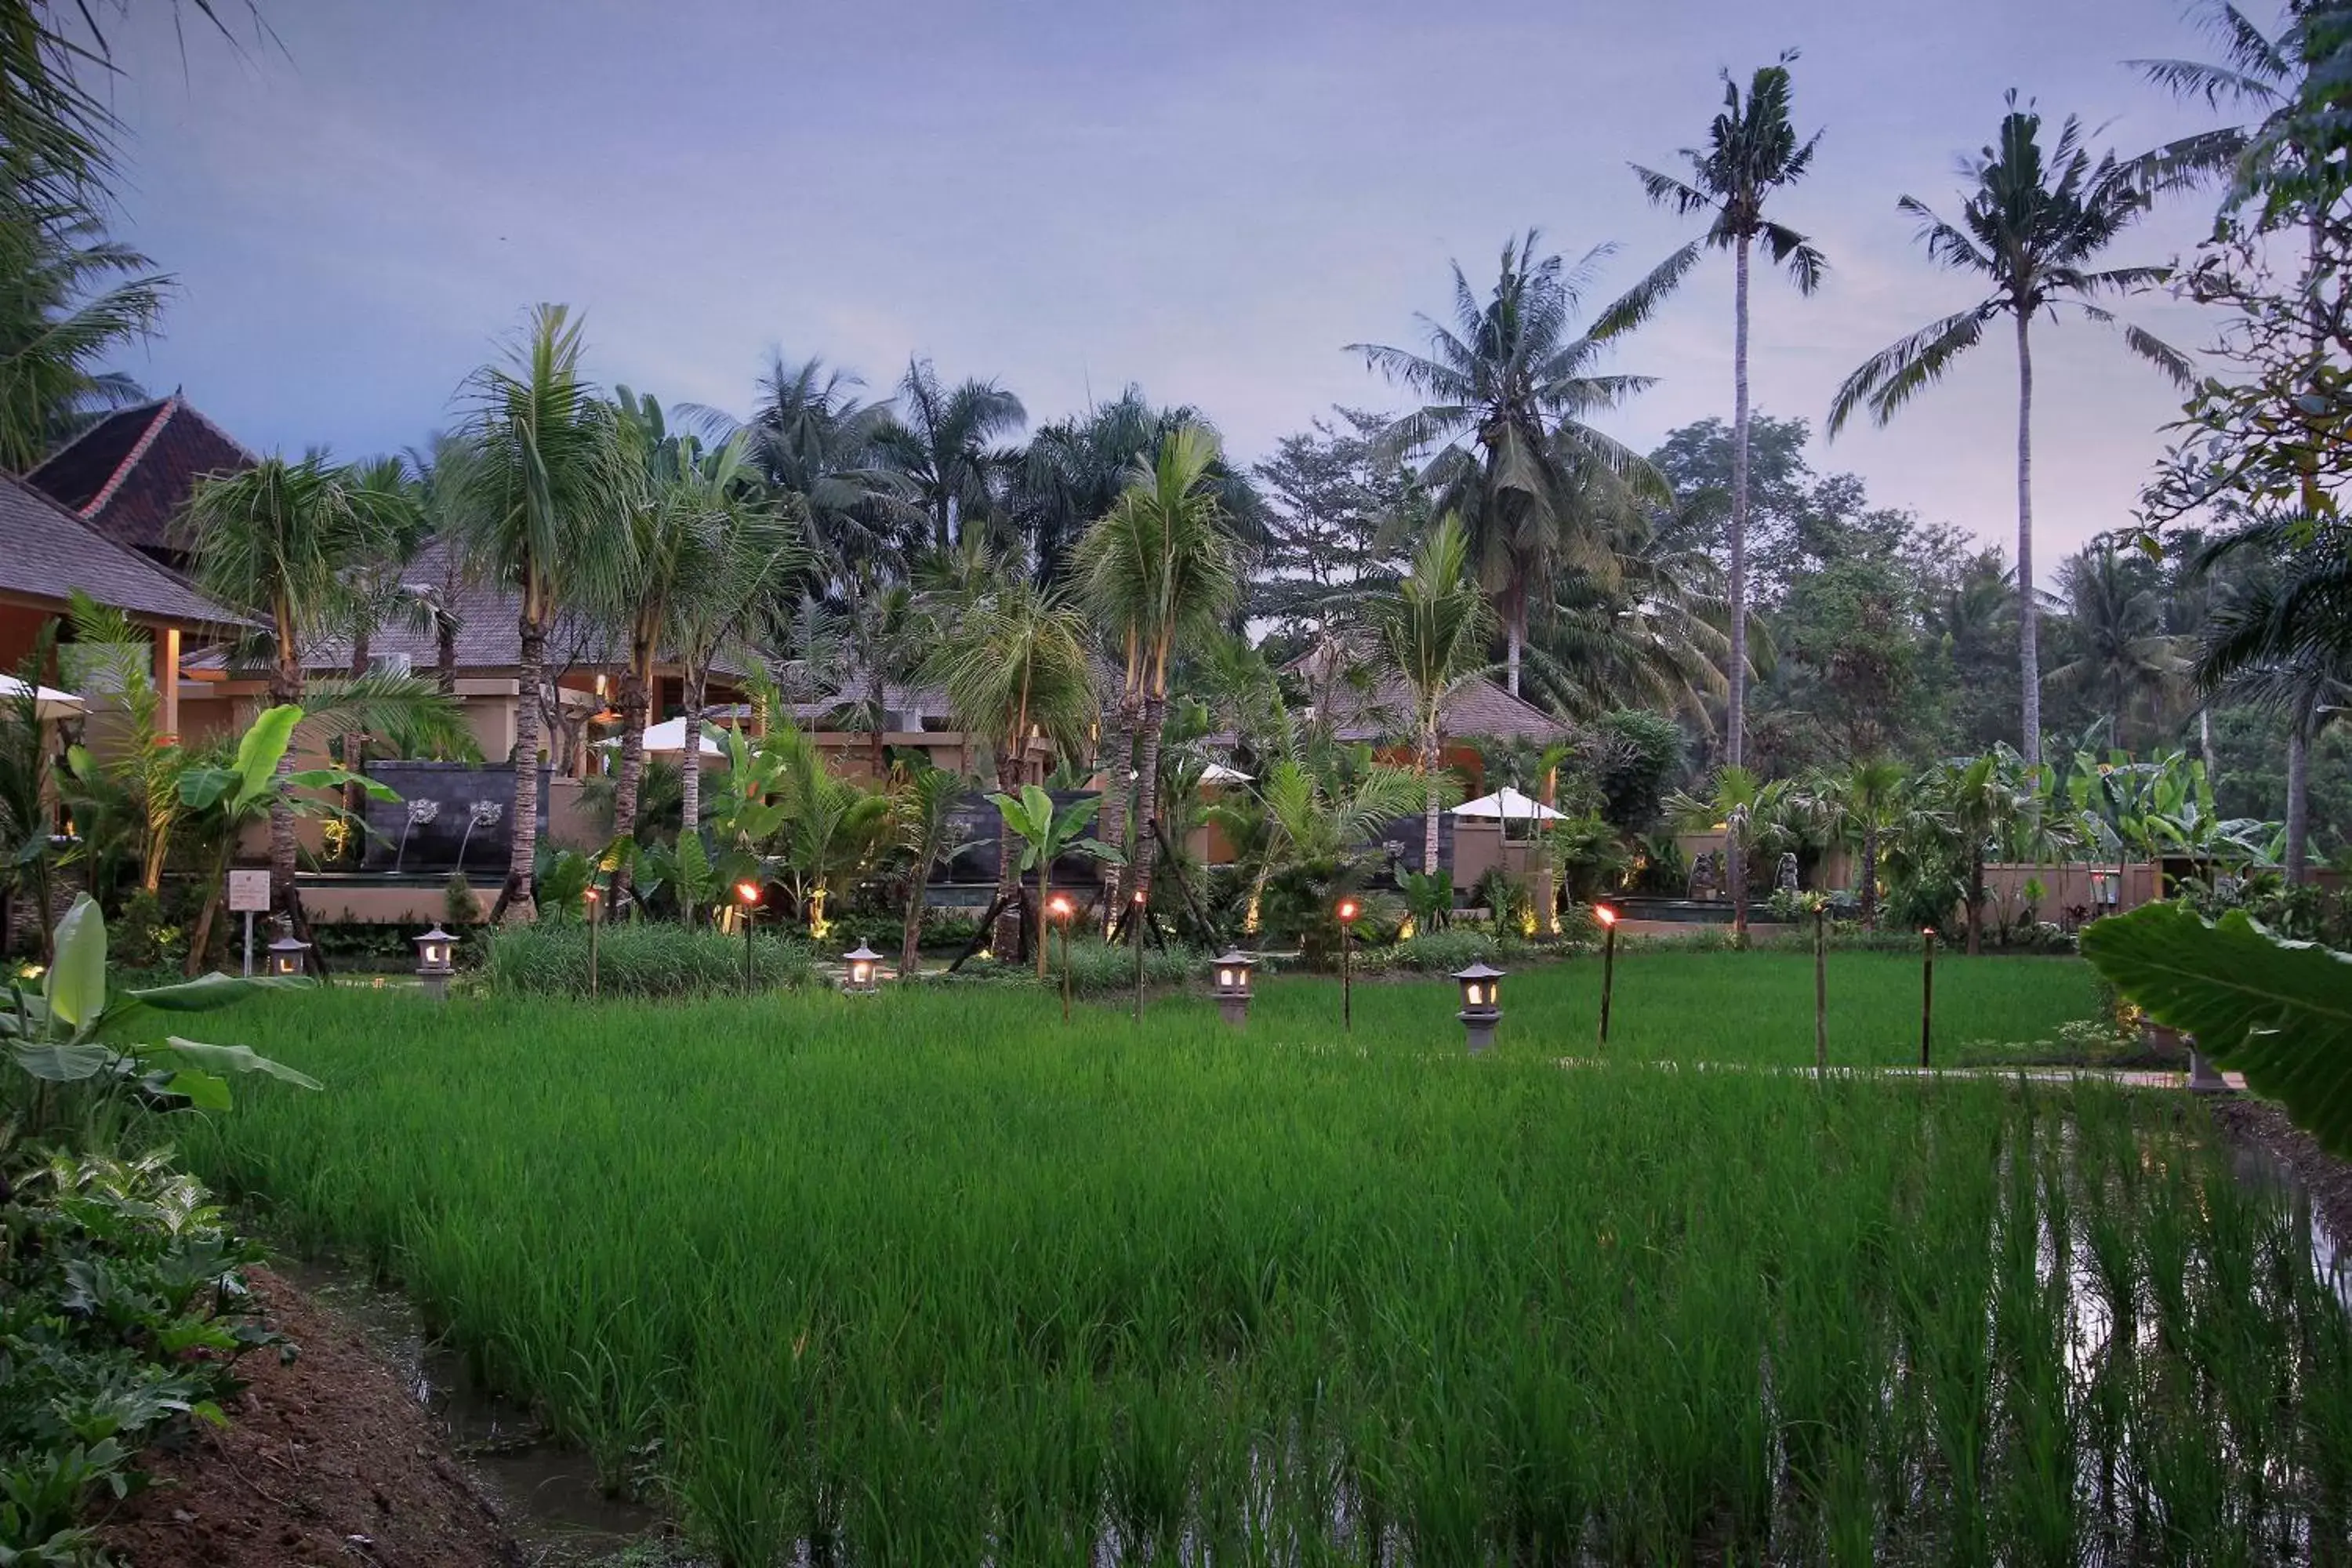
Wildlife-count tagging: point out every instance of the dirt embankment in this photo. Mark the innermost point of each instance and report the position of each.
(328, 1460)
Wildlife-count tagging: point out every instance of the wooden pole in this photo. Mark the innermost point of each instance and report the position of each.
(1926, 991)
(1608, 974)
(1822, 992)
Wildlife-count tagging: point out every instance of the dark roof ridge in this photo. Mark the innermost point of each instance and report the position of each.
(166, 407)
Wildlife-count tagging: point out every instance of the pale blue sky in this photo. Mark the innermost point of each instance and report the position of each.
(1208, 199)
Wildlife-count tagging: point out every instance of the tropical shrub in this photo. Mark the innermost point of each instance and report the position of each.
(123, 1313)
(638, 958)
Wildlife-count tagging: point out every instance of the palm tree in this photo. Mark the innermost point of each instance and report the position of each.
(1013, 664)
(437, 485)
(1743, 809)
(939, 439)
(814, 440)
(1652, 636)
(280, 541)
(2031, 227)
(2285, 642)
(72, 298)
(1982, 802)
(545, 493)
(1868, 798)
(1508, 393)
(1074, 470)
(924, 806)
(1434, 629)
(2127, 656)
(1751, 151)
(1159, 570)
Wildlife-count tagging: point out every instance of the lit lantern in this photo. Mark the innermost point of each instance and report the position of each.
(861, 960)
(288, 955)
(1232, 990)
(434, 951)
(1482, 1006)
(1346, 910)
(1608, 919)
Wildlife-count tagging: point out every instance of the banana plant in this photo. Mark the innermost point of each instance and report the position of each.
(73, 1033)
(2278, 1011)
(1047, 834)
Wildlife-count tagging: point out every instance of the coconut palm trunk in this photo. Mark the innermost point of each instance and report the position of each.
(444, 654)
(1010, 922)
(1976, 895)
(2298, 798)
(518, 896)
(285, 688)
(1429, 822)
(689, 762)
(1870, 875)
(1147, 805)
(1118, 761)
(628, 778)
(2029, 628)
(1735, 860)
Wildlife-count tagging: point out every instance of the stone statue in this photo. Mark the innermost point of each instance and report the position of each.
(1702, 878)
(1785, 876)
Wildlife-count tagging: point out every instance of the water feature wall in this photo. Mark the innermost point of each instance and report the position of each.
(448, 814)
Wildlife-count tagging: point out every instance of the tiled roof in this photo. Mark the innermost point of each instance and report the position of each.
(489, 633)
(46, 552)
(129, 475)
(922, 703)
(1479, 707)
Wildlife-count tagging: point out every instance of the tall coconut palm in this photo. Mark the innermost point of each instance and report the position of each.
(940, 438)
(1507, 394)
(545, 495)
(280, 541)
(1434, 629)
(1013, 664)
(2033, 226)
(1158, 570)
(1751, 151)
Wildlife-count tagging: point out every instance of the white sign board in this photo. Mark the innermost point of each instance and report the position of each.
(248, 891)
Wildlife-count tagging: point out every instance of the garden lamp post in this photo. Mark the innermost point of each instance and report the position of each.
(1142, 931)
(289, 955)
(861, 981)
(595, 897)
(1059, 909)
(1348, 911)
(746, 895)
(434, 967)
(1482, 1006)
(1233, 986)
(1926, 990)
(1608, 919)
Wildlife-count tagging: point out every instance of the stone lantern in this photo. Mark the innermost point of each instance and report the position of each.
(861, 980)
(434, 951)
(1233, 986)
(1482, 1006)
(288, 955)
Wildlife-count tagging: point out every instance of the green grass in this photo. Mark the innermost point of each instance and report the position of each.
(933, 1279)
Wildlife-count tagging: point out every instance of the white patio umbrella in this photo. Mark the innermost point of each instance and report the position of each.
(1509, 803)
(49, 702)
(668, 738)
(1217, 772)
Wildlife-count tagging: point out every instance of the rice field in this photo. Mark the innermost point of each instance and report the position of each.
(934, 1279)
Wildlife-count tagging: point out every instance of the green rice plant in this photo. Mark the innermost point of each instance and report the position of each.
(933, 1277)
(637, 958)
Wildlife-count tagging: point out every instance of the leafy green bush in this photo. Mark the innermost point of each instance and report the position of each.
(1095, 968)
(648, 958)
(122, 1315)
(1440, 951)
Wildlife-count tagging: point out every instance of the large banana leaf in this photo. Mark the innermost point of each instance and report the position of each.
(2280, 1012)
(238, 1059)
(76, 983)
